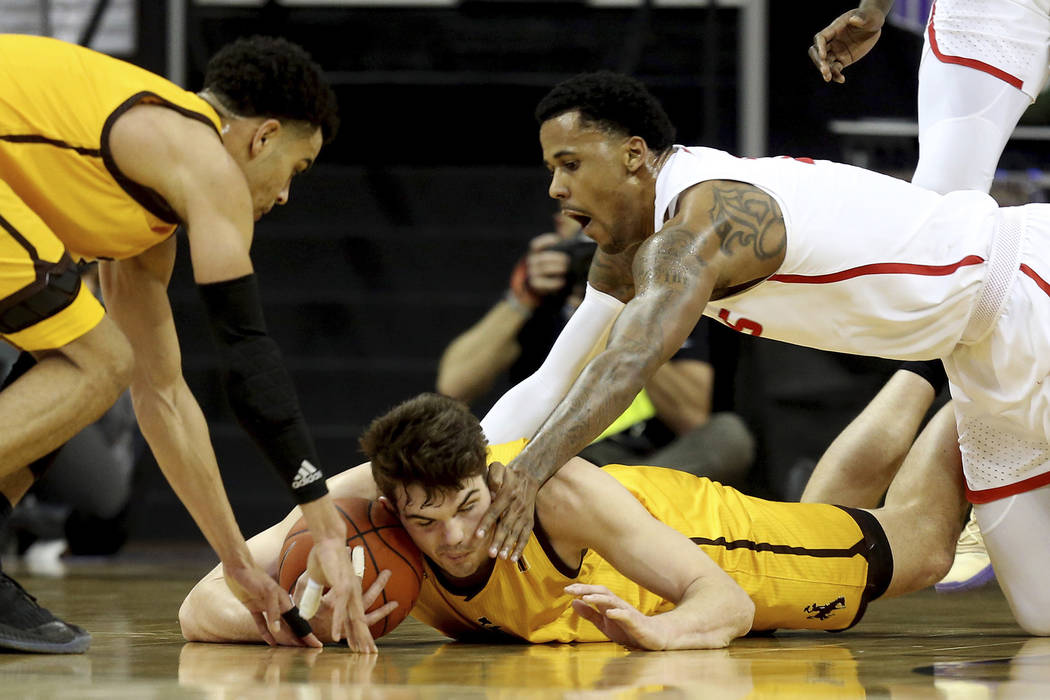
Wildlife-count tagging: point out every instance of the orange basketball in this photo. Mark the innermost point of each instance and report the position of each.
(387, 546)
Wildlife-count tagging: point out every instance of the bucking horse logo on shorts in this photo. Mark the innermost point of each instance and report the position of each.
(823, 612)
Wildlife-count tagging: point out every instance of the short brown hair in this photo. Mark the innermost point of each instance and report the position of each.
(430, 440)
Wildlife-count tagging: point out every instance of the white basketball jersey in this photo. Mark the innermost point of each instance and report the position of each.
(873, 266)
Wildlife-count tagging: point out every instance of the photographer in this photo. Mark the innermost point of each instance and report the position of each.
(670, 423)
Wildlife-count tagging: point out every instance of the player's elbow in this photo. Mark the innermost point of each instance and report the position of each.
(745, 615)
(198, 621)
(189, 620)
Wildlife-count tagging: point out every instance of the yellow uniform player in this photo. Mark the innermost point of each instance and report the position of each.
(101, 160)
(649, 557)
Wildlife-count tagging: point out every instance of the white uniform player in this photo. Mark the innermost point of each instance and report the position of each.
(874, 266)
(983, 63)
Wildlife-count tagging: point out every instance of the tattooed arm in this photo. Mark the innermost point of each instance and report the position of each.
(725, 236)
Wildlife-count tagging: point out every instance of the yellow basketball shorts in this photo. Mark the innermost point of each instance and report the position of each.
(807, 565)
(43, 305)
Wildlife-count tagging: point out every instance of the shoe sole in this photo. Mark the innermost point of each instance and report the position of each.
(982, 577)
(16, 642)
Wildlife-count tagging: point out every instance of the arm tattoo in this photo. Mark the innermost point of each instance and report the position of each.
(671, 257)
(746, 216)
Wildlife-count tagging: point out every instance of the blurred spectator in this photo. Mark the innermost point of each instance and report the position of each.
(670, 423)
(81, 502)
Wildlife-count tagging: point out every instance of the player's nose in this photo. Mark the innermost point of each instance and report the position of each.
(454, 532)
(557, 189)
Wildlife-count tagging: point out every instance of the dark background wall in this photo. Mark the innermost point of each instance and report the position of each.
(404, 232)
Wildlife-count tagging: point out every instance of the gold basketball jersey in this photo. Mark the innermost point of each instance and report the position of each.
(58, 102)
(804, 565)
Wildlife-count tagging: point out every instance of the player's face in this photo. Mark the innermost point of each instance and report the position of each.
(443, 526)
(276, 156)
(590, 180)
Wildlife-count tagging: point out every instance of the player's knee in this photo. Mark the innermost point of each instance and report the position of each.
(116, 367)
(106, 357)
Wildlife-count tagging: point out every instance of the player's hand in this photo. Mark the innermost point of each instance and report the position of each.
(511, 513)
(329, 565)
(616, 618)
(845, 41)
(323, 618)
(266, 601)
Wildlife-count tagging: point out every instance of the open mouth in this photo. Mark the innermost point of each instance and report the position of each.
(579, 217)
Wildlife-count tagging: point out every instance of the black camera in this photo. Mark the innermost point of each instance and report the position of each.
(580, 250)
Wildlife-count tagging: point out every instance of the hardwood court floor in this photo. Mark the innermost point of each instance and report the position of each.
(921, 646)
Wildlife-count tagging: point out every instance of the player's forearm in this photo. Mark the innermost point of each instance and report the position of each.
(323, 519)
(177, 433)
(603, 391)
(475, 358)
(710, 615)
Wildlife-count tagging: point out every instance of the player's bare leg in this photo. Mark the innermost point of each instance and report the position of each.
(66, 390)
(860, 463)
(54, 399)
(925, 507)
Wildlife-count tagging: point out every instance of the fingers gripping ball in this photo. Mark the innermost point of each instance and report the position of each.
(386, 546)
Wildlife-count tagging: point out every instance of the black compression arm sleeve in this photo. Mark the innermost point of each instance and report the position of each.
(258, 385)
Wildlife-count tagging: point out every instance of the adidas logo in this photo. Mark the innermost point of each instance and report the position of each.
(307, 474)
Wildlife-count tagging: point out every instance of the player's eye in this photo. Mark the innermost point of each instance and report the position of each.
(571, 165)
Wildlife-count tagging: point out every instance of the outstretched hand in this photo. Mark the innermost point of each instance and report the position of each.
(511, 512)
(322, 620)
(267, 602)
(845, 41)
(329, 564)
(616, 618)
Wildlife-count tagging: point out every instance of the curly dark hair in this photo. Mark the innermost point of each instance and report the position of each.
(430, 440)
(613, 102)
(264, 76)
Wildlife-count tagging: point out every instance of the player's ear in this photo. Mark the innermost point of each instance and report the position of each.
(391, 508)
(263, 135)
(634, 152)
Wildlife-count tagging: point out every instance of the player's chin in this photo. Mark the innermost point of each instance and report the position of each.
(460, 565)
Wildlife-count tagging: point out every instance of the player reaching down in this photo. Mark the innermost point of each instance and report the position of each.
(102, 160)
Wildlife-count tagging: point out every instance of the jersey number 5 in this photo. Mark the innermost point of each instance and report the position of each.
(742, 325)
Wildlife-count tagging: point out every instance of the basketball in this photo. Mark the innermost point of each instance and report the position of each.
(386, 546)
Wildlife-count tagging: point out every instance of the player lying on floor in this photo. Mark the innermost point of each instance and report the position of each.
(649, 557)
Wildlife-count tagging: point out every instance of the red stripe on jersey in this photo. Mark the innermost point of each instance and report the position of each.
(994, 494)
(1043, 284)
(880, 269)
(969, 62)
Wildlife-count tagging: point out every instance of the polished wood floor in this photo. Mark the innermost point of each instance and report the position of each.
(921, 646)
